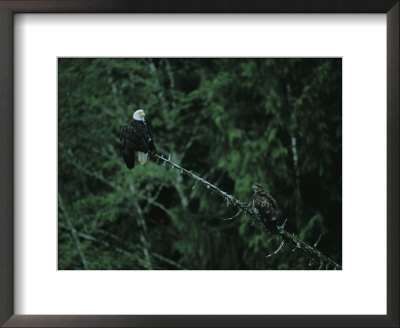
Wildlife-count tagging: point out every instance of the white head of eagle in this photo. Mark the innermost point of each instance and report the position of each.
(139, 115)
(136, 139)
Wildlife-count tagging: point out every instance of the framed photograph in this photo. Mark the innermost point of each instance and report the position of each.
(211, 164)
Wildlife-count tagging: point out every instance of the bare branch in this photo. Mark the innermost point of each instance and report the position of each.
(282, 226)
(231, 218)
(278, 249)
(230, 200)
(316, 243)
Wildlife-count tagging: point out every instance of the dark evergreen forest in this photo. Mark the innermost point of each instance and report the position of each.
(234, 122)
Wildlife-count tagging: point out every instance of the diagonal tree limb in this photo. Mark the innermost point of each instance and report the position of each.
(245, 208)
(230, 200)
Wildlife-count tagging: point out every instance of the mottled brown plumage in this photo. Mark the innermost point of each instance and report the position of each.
(266, 206)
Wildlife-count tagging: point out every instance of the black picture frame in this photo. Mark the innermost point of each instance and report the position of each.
(11, 7)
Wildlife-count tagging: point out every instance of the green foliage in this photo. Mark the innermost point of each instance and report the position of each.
(231, 121)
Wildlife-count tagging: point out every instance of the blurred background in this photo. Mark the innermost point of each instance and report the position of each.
(234, 122)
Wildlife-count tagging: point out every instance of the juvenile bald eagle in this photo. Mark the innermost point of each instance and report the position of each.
(136, 138)
(266, 206)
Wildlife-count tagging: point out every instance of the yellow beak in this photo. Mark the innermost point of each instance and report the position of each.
(142, 114)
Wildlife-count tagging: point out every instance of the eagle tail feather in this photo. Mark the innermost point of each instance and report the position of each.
(142, 157)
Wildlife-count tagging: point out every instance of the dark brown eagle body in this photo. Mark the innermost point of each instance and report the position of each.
(136, 138)
(266, 206)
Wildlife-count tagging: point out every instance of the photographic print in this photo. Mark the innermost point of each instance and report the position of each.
(199, 163)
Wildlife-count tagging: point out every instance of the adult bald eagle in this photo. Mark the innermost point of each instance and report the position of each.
(266, 206)
(136, 138)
